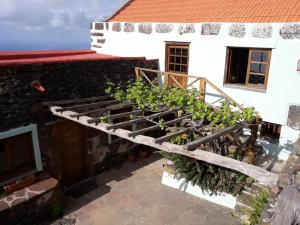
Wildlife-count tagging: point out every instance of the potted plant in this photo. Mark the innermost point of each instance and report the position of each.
(18, 185)
(144, 153)
(131, 155)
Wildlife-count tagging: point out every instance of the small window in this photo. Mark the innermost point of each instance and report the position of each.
(177, 57)
(177, 61)
(18, 153)
(270, 130)
(248, 67)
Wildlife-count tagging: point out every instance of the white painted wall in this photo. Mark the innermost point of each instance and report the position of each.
(208, 56)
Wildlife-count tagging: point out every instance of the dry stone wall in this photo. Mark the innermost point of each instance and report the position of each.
(62, 80)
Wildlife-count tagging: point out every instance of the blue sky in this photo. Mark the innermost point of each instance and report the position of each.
(50, 24)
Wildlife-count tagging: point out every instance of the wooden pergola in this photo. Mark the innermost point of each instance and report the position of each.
(88, 112)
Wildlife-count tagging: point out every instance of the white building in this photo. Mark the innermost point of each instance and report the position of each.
(249, 49)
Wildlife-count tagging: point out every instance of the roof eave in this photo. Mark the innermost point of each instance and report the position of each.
(119, 10)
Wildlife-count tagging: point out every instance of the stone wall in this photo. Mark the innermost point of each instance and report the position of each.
(32, 204)
(62, 80)
(20, 102)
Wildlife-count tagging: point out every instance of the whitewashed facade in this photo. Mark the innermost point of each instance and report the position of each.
(208, 44)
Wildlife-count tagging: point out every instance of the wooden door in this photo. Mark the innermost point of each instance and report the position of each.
(72, 152)
(177, 61)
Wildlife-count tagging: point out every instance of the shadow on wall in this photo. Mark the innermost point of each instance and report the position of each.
(276, 151)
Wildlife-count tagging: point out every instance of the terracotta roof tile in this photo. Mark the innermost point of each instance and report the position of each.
(209, 11)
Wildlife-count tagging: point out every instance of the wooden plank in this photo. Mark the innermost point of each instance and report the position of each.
(175, 80)
(190, 85)
(223, 94)
(139, 120)
(268, 178)
(155, 127)
(103, 110)
(158, 71)
(89, 105)
(117, 116)
(147, 78)
(197, 143)
(202, 89)
(171, 135)
(81, 100)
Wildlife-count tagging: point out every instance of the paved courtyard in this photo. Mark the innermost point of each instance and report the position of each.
(134, 195)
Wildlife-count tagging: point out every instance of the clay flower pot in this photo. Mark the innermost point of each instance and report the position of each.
(18, 185)
(131, 158)
(144, 154)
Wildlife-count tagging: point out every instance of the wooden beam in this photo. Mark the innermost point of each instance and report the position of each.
(202, 89)
(89, 105)
(174, 79)
(117, 116)
(155, 127)
(268, 178)
(139, 120)
(81, 100)
(171, 135)
(103, 110)
(158, 71)
(190, 85)
(209, 138)
(223, 94)
(147, 78)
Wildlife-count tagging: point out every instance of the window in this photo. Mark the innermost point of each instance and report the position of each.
(249, 67)
(19, 153)
(270, 130)
(177, 57)
(177, 60)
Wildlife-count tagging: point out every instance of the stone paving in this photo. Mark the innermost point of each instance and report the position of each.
(134, 195)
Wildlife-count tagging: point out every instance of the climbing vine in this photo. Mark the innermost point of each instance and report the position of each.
(154, 98)
(209, 177)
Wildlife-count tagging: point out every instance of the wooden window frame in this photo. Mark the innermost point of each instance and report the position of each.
(264, 86)
(33, 145)
(247, 84)
(182, 45)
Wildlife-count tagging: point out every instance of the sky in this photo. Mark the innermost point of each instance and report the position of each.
(50, 24)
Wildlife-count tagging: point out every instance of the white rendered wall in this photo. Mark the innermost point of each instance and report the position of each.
(222, 199)
(208, 58)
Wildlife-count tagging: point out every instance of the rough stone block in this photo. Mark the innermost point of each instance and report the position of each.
(164, 28)
(237, 30)
(262, 31)
(101, 41)
(145, 28)
(284, 180)
(97, 34)
(99, 26)
(290, 31)
(96, 46)
(297, 178)
(116, 27)
(296, 149)
(293, 120)
(129, 27)
(186, 28)
(211, 28)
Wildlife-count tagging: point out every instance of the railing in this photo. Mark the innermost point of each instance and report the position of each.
(170, 78)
